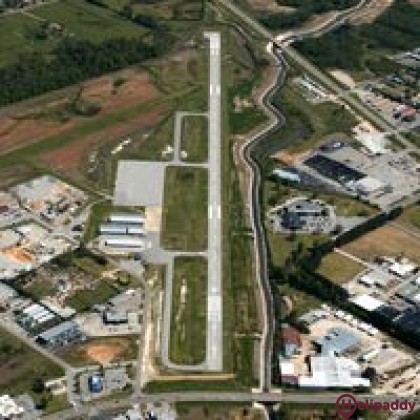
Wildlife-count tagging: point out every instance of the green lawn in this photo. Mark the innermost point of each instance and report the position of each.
(195, 138)
(339, 268)
(20, 366)
(87, 21)
(185, 209)
(302, 302)
(189, 311)
(282, 245)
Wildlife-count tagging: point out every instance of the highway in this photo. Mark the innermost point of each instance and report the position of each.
(214, 358)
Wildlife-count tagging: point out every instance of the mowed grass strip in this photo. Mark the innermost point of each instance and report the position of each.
(338, 268)
(195, 138)
(189, 309)
(185, 209)
(20, 366)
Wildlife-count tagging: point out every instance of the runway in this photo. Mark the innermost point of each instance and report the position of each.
(214, 360)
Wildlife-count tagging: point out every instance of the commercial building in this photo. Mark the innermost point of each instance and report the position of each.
(367, 302)
(120, 229)
(329, 372)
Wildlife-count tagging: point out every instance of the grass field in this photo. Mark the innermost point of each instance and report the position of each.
(83, 300)
(101, 350)
(411, 216)
(282, 245)
(302, 302)
(218, 411)
(20, 366)
(87, 21)
(17, 36)
(185, 209)
(19, 33)
(189, 309)
(339, 268)
(389, 241)
(195, 138)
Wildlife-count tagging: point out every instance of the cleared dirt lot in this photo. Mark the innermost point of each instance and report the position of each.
(388, 240)
(32, 121)
(70, 157)
(102, 351)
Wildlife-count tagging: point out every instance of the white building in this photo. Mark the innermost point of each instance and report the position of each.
(9, 409)
(333, 372)
(126, 218)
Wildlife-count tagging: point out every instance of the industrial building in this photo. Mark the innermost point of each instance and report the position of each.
(60, 335)
(329, 372)
(337, 342)
(120, 229)
(123, 242)
(122, 233)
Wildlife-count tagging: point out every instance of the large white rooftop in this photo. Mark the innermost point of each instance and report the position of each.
(367, 302)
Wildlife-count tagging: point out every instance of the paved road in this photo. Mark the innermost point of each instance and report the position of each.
(267, 398)
(214, 304)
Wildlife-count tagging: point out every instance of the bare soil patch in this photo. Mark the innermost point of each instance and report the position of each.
(70, 157)
(389, 241)
(102, 351)
(22, 124)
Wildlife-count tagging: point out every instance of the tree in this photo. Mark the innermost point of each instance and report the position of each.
(38, 385)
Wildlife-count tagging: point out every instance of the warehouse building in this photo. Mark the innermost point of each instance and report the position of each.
(64, 333)
(329, 372)
(286, 175)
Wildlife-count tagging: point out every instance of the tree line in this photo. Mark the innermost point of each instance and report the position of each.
(73, 61)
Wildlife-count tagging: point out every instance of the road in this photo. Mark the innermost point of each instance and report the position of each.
(234, 397)
(214, 359)
(296, 58)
